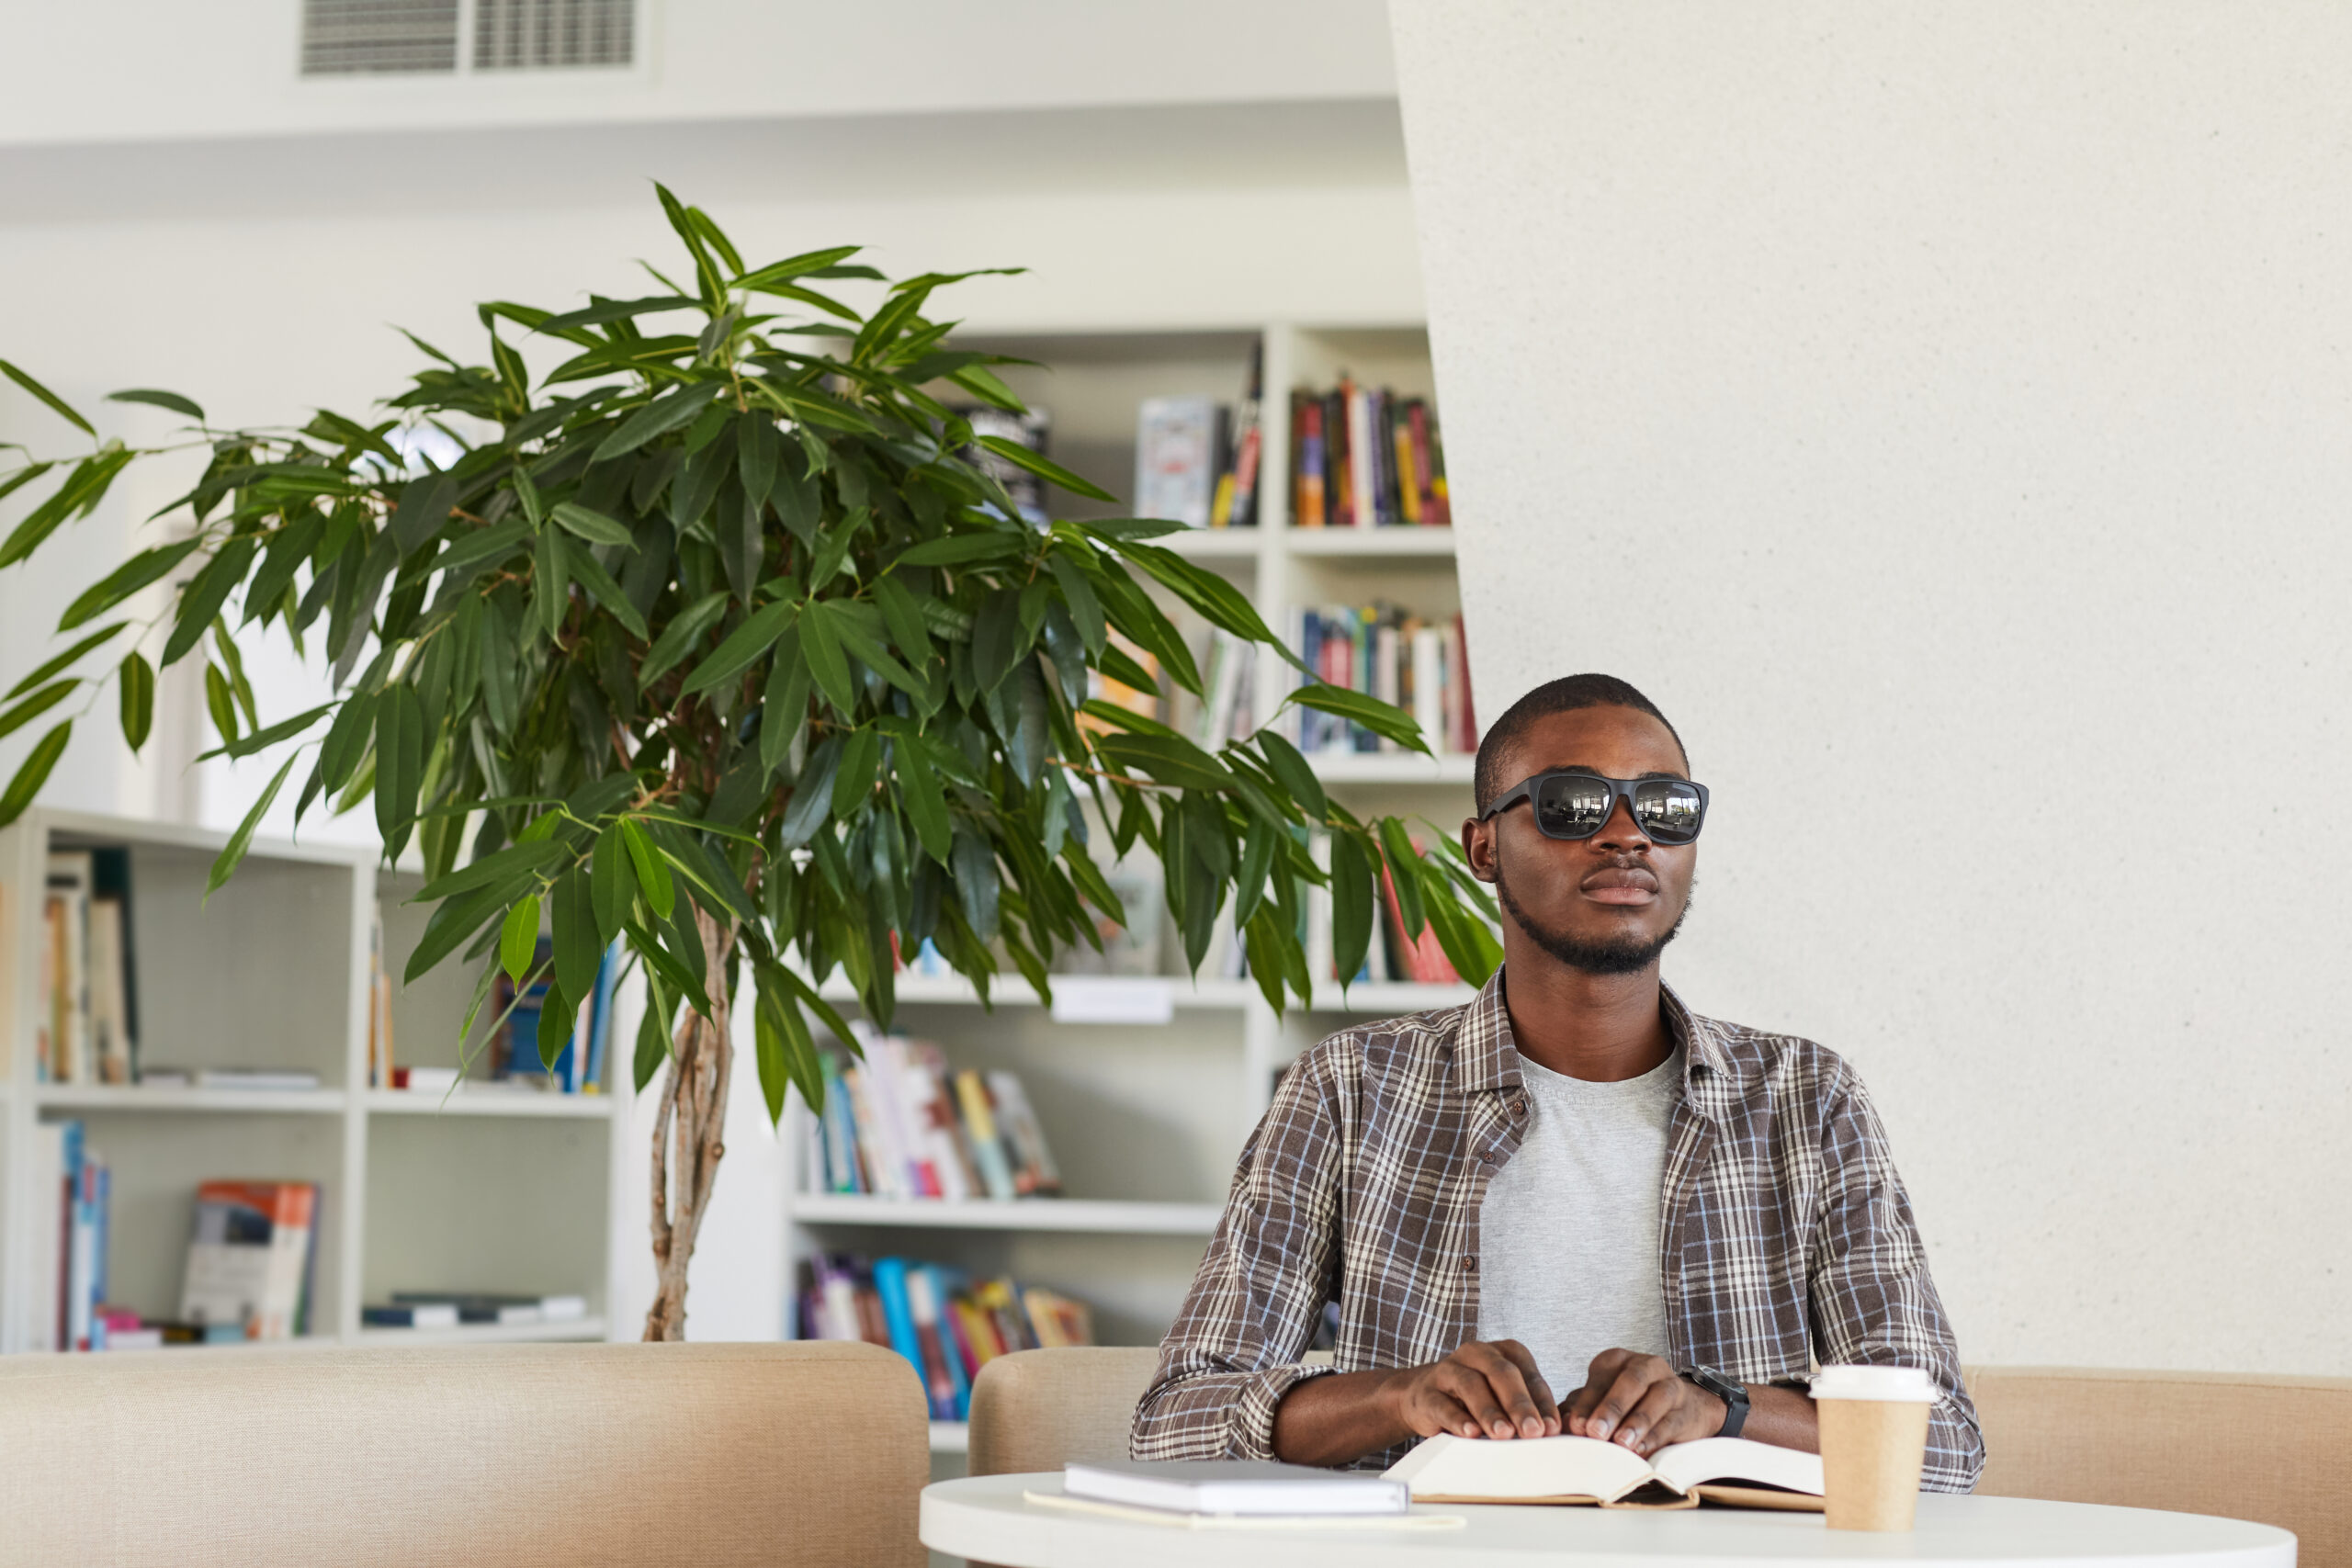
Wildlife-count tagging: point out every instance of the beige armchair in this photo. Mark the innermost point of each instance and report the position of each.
(1039, 1409)
(523, 1455)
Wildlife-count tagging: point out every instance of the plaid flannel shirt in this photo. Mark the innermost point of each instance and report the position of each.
(1785, 1238)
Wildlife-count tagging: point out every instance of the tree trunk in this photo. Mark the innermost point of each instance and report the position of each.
(688, 1134)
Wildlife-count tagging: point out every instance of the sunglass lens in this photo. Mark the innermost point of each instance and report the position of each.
(1667, 810)
(1567, 806)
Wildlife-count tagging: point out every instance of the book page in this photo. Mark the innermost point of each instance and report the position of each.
(1562, 1469)
(1685, 1465)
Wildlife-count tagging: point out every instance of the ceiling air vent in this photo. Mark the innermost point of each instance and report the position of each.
(553, 35)
(342, 38)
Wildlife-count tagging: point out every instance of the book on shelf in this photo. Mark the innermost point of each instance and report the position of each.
(1180, 454)
(1032, 429)
(1140, 883)
(87, 1010)
(251, 1259)
(1389, 956)
(71, 1226)
(899, 1122)
(516, 1053)
(1418, 663)
(411, 1314)
(1234, 504)
(1226, 709)
(1571, 1470)
(1364, 458)
(380, 1004)
(945, 1323)
(478, 1307)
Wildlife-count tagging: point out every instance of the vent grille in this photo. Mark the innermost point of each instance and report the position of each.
(342, 37)
(553, 35)
(345, 38)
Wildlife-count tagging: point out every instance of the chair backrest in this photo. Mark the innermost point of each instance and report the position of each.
(1038, 1409)
(2275, 1450)
(522, 1455)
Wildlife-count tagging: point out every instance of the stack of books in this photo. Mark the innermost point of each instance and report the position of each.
(1198, 461)
(1417, 664)
(1364, 458)
(85, 1023)
(448, 1309)
(948, 1325)
(901, 1124)
(252, 1260)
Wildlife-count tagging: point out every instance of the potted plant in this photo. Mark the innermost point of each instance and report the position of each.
(716, 637)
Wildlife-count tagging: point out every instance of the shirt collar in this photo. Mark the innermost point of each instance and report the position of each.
(1485, 1056)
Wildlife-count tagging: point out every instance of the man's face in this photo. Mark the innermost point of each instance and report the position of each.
(1607, 904)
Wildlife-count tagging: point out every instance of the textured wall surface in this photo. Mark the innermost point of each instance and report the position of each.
(1946, 414)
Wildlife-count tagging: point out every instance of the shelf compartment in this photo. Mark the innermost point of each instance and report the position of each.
(111, 1098)
(1094, 1216)
(1385, 544)
(489, 1103)
(579, 1328)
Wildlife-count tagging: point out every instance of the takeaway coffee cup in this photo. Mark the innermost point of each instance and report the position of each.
(1874, 1440)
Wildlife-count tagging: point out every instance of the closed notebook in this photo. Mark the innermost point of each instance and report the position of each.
(1255, 1487)
(1447, 1469)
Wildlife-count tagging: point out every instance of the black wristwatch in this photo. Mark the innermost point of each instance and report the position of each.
(1730, 1391)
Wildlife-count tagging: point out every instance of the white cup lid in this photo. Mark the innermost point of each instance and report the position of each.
(1909, 1386)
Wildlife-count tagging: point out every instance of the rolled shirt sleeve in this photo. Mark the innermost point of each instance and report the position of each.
(1873, 1302)
(1236, 1346)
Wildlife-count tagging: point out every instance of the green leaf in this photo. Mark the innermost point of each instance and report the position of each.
(45, 395)
(206, 593)
(263, 740)
(218, 703)
(661, 416)
(1294, 773)
(32, 707)
(785, 706)
(550, 585)
(591, 525)
(605, 310)
(582, 564)
(1352, 907)
(233, 853)
(653, 1032)
(612, 881)
(1085, 609)
(125, 580)
(996, 639)
(578, 948)
(346, 740)
(962, 549)
(482, 544)
(1020, 457)
(775, 1056)
(812, 794)
(519, 938)
(558, 1017)
(926, 805)
(171, 401)
(820, 645)
(678, 638)
(1403, 874)
(424, 508)
(77, 497)
(1170, 760)
(1389, 722)
(854, 779)
(653, 882)
(743, 647)
(62, 659)
(138, 681)
(400, 764)
(515, 863)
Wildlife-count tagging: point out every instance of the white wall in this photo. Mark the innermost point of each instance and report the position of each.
(1943, 411)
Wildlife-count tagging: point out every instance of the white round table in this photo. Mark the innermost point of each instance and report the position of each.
(985, 1519)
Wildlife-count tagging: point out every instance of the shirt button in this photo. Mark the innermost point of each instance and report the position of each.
(1470, 1265)
(1518, 1109)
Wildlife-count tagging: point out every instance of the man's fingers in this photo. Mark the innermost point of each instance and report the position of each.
(1432, 1410)
(1650, 1424)
(1469, 1383)
(1624, 1392)
(1542, 1416)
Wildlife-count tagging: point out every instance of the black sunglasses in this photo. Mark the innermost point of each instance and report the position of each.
(1572, 804)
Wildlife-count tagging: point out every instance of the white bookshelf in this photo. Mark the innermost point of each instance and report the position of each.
(1147, 1120)
(491, 1189)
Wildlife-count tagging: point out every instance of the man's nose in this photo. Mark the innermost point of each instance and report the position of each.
(1621, 832)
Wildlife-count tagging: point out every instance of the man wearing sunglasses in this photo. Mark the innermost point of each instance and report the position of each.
(1572, 1184)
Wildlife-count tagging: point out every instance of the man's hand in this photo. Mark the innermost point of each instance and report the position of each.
(1483, 1390)
(1638, 1401)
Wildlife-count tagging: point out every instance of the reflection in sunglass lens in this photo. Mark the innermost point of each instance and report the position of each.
(1567, 806)
(1666, 809)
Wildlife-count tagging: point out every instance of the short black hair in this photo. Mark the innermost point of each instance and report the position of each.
(1563, 695)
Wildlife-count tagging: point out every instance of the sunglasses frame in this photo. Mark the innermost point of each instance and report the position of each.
(1620, 790)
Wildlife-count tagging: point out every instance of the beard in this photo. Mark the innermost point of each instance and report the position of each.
(1627, 954)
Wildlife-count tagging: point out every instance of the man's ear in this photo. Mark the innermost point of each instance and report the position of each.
(1478, 846)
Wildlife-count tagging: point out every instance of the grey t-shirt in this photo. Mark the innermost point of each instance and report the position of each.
(1568, 1229)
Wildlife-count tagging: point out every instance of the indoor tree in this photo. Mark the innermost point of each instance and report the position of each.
(720, 637)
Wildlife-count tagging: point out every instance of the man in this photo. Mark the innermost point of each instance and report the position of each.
(1573, 1183)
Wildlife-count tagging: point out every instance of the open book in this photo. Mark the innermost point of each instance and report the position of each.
(1446, 1469)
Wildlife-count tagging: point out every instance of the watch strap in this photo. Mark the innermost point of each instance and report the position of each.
(1730, 1391)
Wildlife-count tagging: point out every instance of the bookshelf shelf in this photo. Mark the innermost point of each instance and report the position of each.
(1012, 990)
(1216, 544)
(491, 1334)
(111, 1098)
(1393, 767)
(1386, 543)
(506, 1191)
(1390, 999)
(1093, 1216)
(951, 1436)
(490, 1102)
